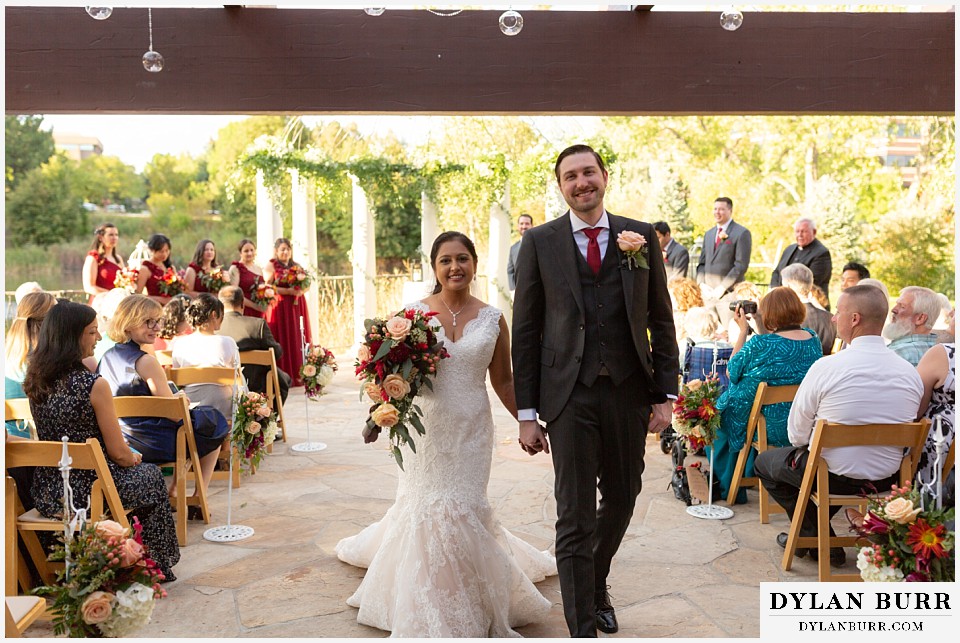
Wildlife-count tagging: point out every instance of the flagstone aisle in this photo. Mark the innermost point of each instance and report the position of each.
(675, 575)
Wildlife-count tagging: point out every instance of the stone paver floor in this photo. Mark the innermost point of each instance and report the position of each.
(674, 576)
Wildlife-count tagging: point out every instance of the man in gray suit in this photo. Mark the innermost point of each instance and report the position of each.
(524, 223)
(724, 259)
(595, 356)
(809, 251)
(676, 258)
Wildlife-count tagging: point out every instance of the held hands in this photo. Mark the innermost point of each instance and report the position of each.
(742, 319)
(660, 416)
(533, 439)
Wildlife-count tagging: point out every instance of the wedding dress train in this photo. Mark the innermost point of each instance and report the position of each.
(439, 564)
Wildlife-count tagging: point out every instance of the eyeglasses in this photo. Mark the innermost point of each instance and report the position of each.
(152, 324)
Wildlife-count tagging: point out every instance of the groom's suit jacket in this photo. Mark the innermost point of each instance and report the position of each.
(724, 264)
(549, 316)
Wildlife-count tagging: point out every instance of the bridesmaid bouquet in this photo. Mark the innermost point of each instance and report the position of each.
(695, 415)
(397, 358)
(318, 368)
(254, 429)
(171, 283)
(295, 277)
(262, 294)
(214, 279)
(113, 583)
(127, 279)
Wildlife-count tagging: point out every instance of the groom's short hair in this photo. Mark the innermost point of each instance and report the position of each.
(577, 149)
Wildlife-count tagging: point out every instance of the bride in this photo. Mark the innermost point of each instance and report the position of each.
(439, 564)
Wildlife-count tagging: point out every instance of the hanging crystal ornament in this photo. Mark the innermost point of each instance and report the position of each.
(99, 13)
(152, 61)
(374, 11)
(511, 22)
(731, 19)
(453, 12)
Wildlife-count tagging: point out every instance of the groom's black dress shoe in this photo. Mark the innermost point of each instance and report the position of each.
(837, 556)
(606, 617)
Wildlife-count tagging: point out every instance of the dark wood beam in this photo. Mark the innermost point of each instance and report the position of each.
(247, 61)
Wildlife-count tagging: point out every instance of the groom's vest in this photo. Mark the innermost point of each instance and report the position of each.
(608, 343)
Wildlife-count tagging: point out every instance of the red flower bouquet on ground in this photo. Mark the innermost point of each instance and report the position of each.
(398, 357)
(317, 371)
(695, 415)
(171, 283)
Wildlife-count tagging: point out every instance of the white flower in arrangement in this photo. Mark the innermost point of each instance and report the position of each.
(870, 573)
(268, 143)
(418, 336)
(325, 375)
(270, 432)
(133, 609)
(315, 155)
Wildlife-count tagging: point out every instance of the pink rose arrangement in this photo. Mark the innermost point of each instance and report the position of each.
(254, 429)
(112, 586)
(634, 247)
(262, 294)
(695, 414)
(398, 357)
(317, 371)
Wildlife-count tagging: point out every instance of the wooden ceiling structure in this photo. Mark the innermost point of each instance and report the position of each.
(251, 60)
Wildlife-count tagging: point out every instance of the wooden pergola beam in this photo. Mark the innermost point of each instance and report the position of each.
(260, 60)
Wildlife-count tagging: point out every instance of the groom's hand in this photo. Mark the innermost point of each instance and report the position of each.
(532, 438)
(660, 416)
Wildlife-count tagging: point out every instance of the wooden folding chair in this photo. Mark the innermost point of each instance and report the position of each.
(165, 357)
(21, 612)
(909, 436)
(211, 375)
(87, 455)
(757, 425)
(267, 358)
(837, 345)
(18, 409)
(187, 463)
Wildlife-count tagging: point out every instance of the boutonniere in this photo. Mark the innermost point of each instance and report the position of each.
(723, 236)
(634, 246)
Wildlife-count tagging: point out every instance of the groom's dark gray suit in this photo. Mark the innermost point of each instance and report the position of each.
(583, 359)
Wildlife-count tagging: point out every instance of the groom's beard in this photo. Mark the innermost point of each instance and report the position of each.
(897, 329)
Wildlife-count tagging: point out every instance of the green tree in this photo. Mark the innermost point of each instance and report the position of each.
(173, 174)
(44, 208)
(674, 208)
(27, 146)
(107, 179)
(924, 257)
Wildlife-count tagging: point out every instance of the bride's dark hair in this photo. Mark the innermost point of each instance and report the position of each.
(450, 235)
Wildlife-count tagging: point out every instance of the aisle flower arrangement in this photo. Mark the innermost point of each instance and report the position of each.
(254, 429)
(908, 540)
(262, 294)
(171, 283)
(695, 415)
(112, 586)
(397, 358)
(317, 371)
(214, 279)
(127, 279)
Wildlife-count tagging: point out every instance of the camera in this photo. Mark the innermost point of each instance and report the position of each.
(749, 307)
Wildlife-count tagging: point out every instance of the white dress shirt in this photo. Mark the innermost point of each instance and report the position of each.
(865, 384)
(577, 225)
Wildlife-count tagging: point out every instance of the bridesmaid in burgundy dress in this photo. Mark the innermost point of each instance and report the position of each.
(204, 260)
(245, 274)
(151, 270)
(103, 261)
(284, 314)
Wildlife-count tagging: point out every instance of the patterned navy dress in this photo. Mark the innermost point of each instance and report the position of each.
(68, 411)
(941, 403)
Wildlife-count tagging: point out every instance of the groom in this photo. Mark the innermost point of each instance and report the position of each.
(582, 360)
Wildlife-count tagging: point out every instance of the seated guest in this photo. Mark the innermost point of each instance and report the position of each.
(251, 334)
(852, 273)
(745, 291)
(779, 357)
(910, 329)
(876, 283)
(798, 278)
(25, 289)
(937, 369)
(173, 323)
(129, 370)
(67, 399)
(944, 325)
(20, 340)
(704, 353)
(819, 297)
(684, 295)
(205, 348)
(106, 306)
(864, 384)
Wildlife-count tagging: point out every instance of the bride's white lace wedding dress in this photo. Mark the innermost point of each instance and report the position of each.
(439, 563)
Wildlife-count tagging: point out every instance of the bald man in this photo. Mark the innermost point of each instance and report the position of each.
(865, 384)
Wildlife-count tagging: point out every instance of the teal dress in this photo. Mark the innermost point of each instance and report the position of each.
(13, 389)
(773, 359)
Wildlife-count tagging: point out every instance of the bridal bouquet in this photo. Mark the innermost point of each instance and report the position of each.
(908, 542)
(214, 279)
(262, 294)
(127, 279)
(171, 283)
(398, 357)
(695, 415)
(318, 368)
(254, 429)
(112, 585)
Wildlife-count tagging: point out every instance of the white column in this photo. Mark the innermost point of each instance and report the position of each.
(429, 229)
(269, 225)
(364, 259)
(498, 250)
(554, 205)
(304, 238)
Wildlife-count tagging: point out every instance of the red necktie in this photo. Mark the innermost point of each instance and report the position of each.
(593, 249)
(716, 242)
